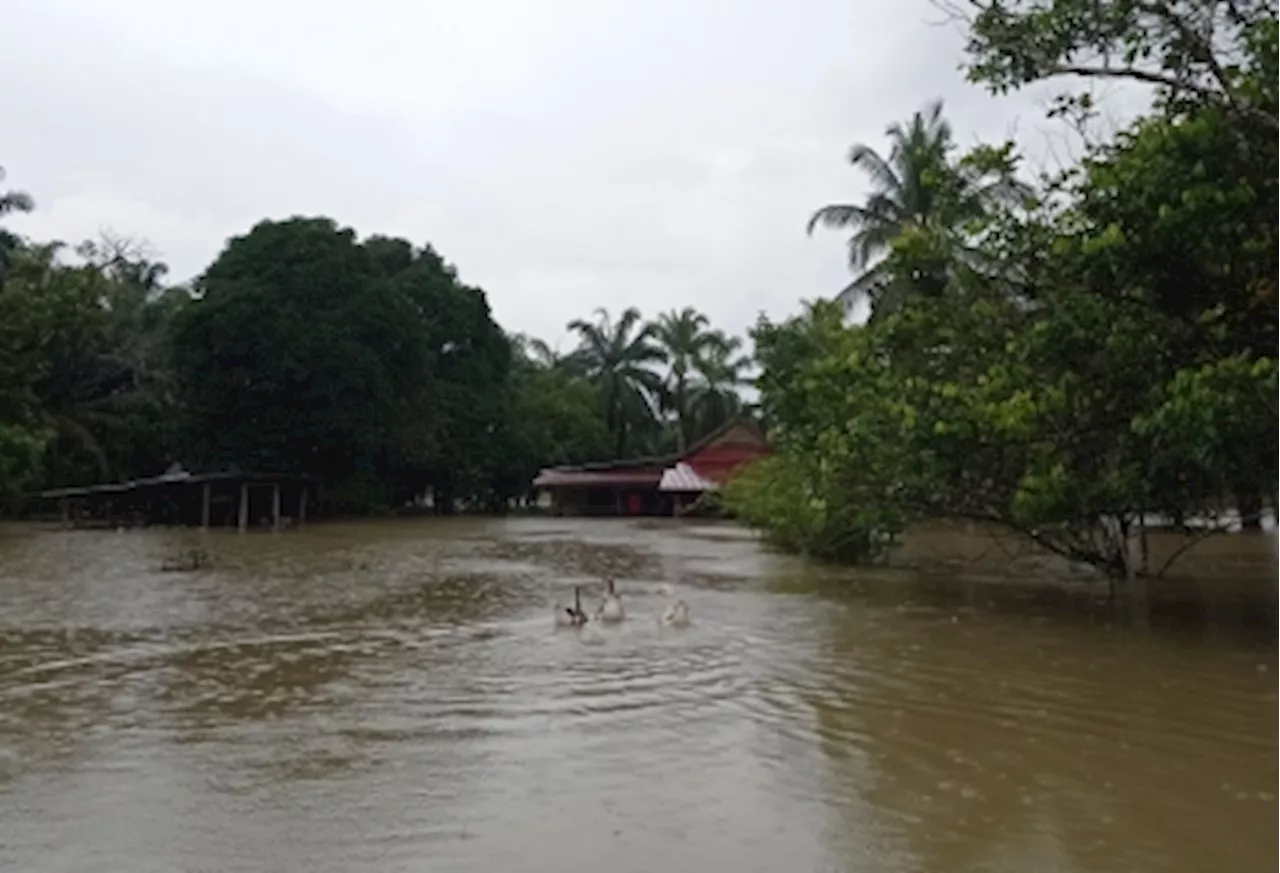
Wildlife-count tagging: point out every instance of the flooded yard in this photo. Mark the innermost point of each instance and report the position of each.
(394, 696)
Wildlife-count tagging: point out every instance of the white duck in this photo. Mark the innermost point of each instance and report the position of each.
(611, 607)
(676, 615)
(572, 616)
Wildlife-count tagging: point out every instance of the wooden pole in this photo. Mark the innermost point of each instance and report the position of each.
(244, 506)
(66, 512)
(275, 506)
(302, 507)
(206, 498)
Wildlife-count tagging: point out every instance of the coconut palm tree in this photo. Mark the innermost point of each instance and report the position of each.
(917, 188)
(618, 356)
(14, 201)
(536, 353)
(716, 396)
(687, 340)
(11, 201)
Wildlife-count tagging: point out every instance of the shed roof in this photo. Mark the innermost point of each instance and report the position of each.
(175, 475)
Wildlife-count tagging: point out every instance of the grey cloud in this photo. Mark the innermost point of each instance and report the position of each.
(565, 157)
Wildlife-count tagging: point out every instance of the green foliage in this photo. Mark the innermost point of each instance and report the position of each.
(366, 364)
(1220, 53)
(828, 490)
(705, 370)
(83, 358)
(22, 452)
(619, 357)
(1208, 430)
(554, 419)
(649, 387)
(970, 405)
(1064, 362)
(916, 226)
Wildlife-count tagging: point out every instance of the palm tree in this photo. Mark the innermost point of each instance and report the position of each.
(14, 201)
(723, 369)
(11, 201)
(685, 337)
(617, 356)
(917, 187)
(536, 352)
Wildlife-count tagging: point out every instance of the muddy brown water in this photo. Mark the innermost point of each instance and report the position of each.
(393, 697)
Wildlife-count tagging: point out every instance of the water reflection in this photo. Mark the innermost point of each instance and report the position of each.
(393, 696)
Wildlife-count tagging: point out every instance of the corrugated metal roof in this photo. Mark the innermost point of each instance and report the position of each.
(174, 475)
(595, 479)
(682, 477)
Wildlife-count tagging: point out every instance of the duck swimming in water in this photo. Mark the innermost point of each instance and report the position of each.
(676, 615)
(572, 616)
(611, 607)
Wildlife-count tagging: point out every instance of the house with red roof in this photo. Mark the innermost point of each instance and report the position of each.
(667, 485)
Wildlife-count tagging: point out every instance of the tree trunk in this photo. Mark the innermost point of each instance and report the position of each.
(682, 424)
(1145, 544)
(1249, 505)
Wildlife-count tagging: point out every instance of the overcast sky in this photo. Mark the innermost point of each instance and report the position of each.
(564, 154)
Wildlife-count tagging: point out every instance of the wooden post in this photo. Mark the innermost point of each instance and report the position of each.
(65, 504)
(244, 506)
(302, 506)
(206, 499)
(275, 506)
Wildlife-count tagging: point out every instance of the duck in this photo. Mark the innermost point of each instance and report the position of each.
(611, 607)
(572, 616)
(676, 615)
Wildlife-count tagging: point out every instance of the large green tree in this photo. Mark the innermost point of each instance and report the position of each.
(1179, 212)
(369, 365)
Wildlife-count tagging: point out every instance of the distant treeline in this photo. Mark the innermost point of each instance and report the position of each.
(303, 349)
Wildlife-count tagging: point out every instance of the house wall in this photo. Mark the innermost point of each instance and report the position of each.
(609, 501)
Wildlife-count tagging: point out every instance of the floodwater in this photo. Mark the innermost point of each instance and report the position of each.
(393, 696)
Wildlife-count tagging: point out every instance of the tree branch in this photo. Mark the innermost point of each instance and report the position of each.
(1165, 81)
(1135, 73)
(1187, 546)
(1197, 43)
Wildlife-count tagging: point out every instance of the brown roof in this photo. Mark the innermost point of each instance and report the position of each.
(596, 479)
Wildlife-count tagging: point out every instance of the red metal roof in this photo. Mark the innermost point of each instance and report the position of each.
(716, 457)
